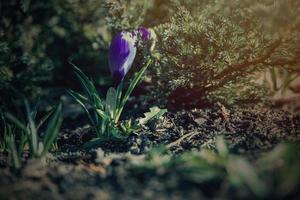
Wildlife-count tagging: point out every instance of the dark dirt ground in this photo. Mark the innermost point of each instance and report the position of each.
(106, 172)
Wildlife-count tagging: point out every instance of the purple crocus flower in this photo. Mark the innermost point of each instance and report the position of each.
(122, 52)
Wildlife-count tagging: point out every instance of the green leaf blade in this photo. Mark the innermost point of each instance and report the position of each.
(52, 129)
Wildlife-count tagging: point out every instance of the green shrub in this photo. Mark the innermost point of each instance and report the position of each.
(214, 50)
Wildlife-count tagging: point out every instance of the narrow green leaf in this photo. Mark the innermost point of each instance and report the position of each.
(97, 101)
(44, 119)
(119, 94)
(23, 142)
(52, 128)
(17, 122)
(11, 143)
(33, 136)
(118, 135)
(111, 101)
(80, 99)
(104, 127)
(34, 110)
(137, 78)
(77, 95)
(85, 82)
(102, 114)
(93, 98)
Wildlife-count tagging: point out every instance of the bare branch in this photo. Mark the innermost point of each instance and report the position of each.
(229, 71)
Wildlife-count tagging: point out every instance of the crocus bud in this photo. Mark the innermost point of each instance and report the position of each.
(122, 52)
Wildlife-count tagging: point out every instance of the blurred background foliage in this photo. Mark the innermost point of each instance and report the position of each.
(207, 50)
(39, 37)
(219, 173)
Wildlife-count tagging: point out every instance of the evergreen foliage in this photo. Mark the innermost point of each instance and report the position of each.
(214, 50)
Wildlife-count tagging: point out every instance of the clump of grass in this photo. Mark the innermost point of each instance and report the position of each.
(19, 135)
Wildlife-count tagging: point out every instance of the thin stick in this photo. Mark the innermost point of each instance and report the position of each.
(178, 141)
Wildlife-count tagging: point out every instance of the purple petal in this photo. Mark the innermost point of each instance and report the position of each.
(145, 33)
(122, 52)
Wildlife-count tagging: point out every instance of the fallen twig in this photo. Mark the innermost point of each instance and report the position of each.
(178, 141)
